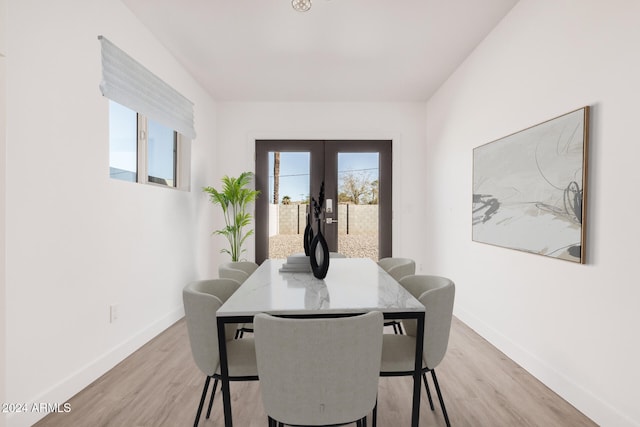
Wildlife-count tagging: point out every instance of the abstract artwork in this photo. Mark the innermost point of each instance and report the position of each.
(529, 188)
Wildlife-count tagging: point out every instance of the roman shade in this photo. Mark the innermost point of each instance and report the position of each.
(127, 82)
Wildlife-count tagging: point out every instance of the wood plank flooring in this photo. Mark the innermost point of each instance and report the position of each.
(160, 385)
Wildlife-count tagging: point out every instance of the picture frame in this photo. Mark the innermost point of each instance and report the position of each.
(529, 188)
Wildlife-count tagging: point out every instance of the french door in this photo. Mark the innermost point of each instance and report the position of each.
(357, 183)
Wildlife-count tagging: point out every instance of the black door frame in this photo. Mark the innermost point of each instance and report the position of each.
(327, 150)
(385, 208)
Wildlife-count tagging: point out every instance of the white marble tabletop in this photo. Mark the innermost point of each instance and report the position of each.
(352, 285)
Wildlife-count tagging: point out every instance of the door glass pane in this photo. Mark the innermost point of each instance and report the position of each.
(289, 183)
(123, 142)
(161, 154)
(358, 175)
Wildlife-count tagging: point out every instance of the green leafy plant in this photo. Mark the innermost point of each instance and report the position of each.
(234, 199)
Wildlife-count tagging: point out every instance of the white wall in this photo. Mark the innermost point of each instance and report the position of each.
(78, 241)
(274, 219)
(3, 29)
(3, 163)
(240, 124)
(573, 326)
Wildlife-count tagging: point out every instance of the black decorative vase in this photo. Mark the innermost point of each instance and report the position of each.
(308, 235)
(319, 255)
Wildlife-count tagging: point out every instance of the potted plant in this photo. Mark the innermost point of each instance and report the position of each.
(234, 200)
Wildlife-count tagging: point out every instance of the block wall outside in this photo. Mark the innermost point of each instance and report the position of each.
(357, 219)
(352, 219)
(292, 219)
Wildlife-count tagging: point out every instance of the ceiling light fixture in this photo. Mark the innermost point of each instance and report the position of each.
(301, 5)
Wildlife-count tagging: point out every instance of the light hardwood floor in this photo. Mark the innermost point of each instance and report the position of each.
(159, 385)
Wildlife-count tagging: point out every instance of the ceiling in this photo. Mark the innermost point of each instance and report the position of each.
(340, 50)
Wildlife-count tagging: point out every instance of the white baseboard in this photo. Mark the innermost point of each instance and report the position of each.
(602, 413)
(87, 374)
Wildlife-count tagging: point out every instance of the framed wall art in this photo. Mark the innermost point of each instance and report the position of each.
(529, 188)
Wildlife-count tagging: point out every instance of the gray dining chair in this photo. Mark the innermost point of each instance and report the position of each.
(319, 372)
(398, 351)
(397, 268)
(238, 271)
(202, 299)
(247, 266)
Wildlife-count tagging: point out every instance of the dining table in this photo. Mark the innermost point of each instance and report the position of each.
(352, 286)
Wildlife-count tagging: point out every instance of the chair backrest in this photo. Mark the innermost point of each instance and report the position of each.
(201, 301)
(398, 267)
(230, 271)
(437, 294)
(247, 266)
(318, 371)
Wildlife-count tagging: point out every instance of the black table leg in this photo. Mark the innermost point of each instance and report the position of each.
(224, 373)
(415, 412)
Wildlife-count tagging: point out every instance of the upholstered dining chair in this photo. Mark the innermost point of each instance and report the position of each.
(238, 271)
(247, 266)
(398, 351)
(318, 372)
(201, 301)
(397, 268)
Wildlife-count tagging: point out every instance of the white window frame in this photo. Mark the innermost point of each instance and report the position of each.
(182, 157)
(181, 160)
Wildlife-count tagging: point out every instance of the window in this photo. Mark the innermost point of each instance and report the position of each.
(123, 142)
(143, 150)
(150, 123)
(161, 154)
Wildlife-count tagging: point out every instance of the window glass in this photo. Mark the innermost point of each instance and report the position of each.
(143, 150)
(357, 209)
(123, 142)
(161, 157)
(289, 186)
